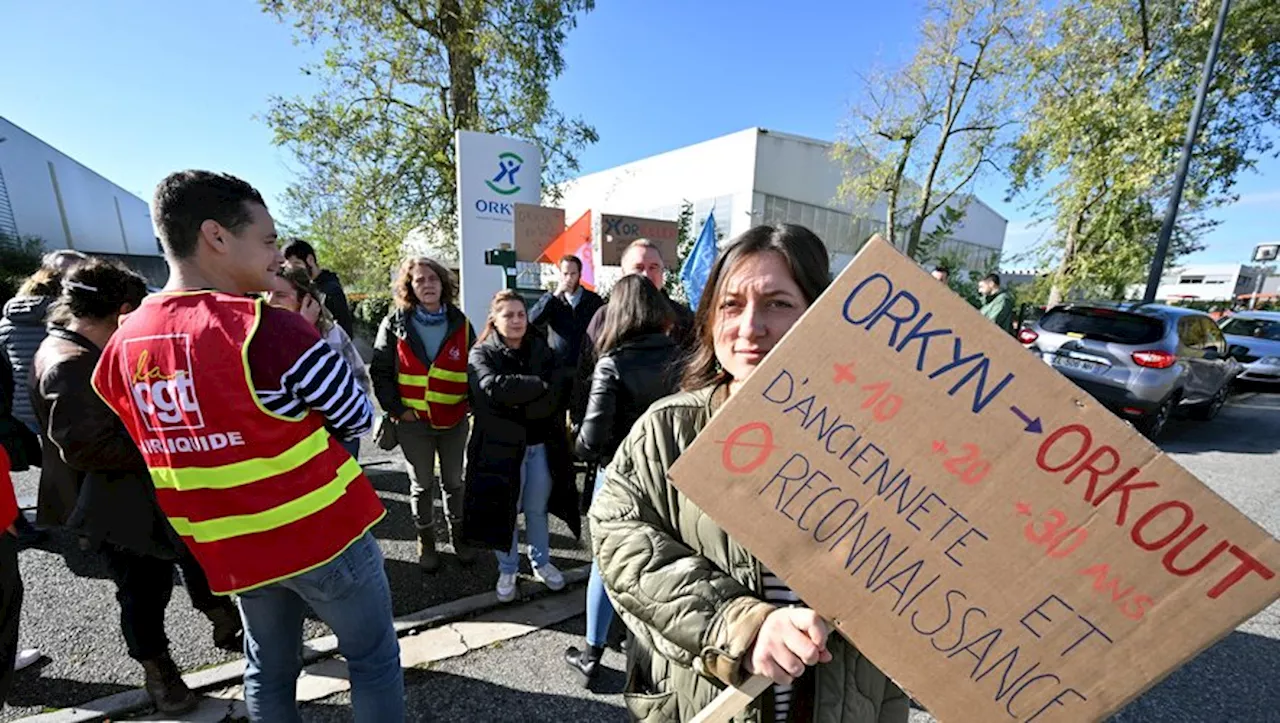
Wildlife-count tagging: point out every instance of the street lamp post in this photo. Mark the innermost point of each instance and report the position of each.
(1180, 180)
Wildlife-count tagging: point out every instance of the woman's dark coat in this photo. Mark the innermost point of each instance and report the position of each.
(513, 391)
(93, 479)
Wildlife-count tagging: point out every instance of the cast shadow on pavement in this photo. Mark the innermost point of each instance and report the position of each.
(30, 690)
(444, 697)
(1235, 680)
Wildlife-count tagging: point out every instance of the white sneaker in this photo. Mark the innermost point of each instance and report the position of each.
(25, 658)
(548, 575)
(506, 587)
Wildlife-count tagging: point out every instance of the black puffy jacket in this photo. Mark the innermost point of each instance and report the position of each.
(626, 381)
(517, 399)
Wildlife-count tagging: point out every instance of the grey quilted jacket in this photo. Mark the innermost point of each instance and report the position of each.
(21, 331)
(690, 594)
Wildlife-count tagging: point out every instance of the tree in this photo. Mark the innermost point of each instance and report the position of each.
(19, 258)
(1113, 89)
(685, 238)
(942, 118)
(375, 144)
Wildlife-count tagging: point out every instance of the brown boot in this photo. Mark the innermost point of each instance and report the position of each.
(428, 558)
(164, 684)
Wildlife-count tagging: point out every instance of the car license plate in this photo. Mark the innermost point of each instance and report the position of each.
(1067, 362)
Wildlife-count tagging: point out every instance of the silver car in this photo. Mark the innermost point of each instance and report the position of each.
(1143, 361)
(1257, 334)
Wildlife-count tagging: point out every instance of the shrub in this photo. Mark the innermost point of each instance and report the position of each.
(369, 310)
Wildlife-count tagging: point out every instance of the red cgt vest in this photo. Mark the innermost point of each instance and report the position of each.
(256, 496)
(440, 390)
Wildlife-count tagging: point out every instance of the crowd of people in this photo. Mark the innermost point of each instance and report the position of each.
(213, 428)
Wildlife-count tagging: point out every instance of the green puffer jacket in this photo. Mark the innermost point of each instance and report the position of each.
(691, 595)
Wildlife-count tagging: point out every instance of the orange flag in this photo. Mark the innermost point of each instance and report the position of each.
(575, 240)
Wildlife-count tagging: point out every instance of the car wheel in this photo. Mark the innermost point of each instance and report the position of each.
(1210, 409)
(1152, 425)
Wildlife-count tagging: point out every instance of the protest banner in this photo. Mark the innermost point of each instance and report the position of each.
(535, 228)
(997, 542)
(615, 232)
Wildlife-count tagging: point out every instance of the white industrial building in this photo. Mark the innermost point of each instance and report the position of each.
(1208, 282)
(46, 194)
(761, 176)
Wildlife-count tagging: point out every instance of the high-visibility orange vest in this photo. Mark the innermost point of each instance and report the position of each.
(441, 389)
(257, 497)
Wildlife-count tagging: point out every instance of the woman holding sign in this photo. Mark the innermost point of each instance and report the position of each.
(704, 612)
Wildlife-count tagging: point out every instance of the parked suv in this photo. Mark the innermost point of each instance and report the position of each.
(1143, 361)
(1257, 334)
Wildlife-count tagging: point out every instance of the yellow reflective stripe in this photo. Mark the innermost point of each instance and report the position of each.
(238, 525)
(447, 375)
(414, 403)
(413, 380)
(441, 398)
(240, 473)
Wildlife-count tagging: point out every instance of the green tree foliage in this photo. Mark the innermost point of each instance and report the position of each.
(1114, 85)
(921, 134)
(398, 78)
(19, 258)
(686, 236)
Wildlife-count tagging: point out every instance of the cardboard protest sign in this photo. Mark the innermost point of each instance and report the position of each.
(615, 232)
(993, 539)
(535, 227)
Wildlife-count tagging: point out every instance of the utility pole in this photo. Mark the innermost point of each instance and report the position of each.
(1180, 180)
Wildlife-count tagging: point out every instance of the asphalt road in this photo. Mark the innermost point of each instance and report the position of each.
(1238, 455)
(72, 615)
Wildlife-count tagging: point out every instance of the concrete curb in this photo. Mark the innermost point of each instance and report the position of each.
(221, 676)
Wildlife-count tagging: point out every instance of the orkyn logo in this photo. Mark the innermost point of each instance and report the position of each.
(505, 182)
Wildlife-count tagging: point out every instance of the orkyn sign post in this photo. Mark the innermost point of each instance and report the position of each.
(998, 543)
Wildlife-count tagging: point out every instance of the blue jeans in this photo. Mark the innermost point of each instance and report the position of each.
(351, 595)
(352, 447)
(599, 608)
(535, 490)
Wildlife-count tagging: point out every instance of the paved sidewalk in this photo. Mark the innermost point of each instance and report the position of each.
(421, 655)
(71, 614)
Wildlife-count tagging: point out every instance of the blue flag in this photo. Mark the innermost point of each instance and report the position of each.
(697, 267)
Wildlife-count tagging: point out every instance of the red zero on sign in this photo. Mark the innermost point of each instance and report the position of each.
(761, 442)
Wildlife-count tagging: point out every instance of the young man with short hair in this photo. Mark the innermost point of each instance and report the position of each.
(998, 303)
(231, 402)
(301, 253)
(566, 312)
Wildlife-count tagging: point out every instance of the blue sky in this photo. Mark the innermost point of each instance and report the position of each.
(137, 89)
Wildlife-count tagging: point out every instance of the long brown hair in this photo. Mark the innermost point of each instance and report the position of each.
(804, 254)
(403, 286)
(635, 308)
(300, 279)
(498, 298)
